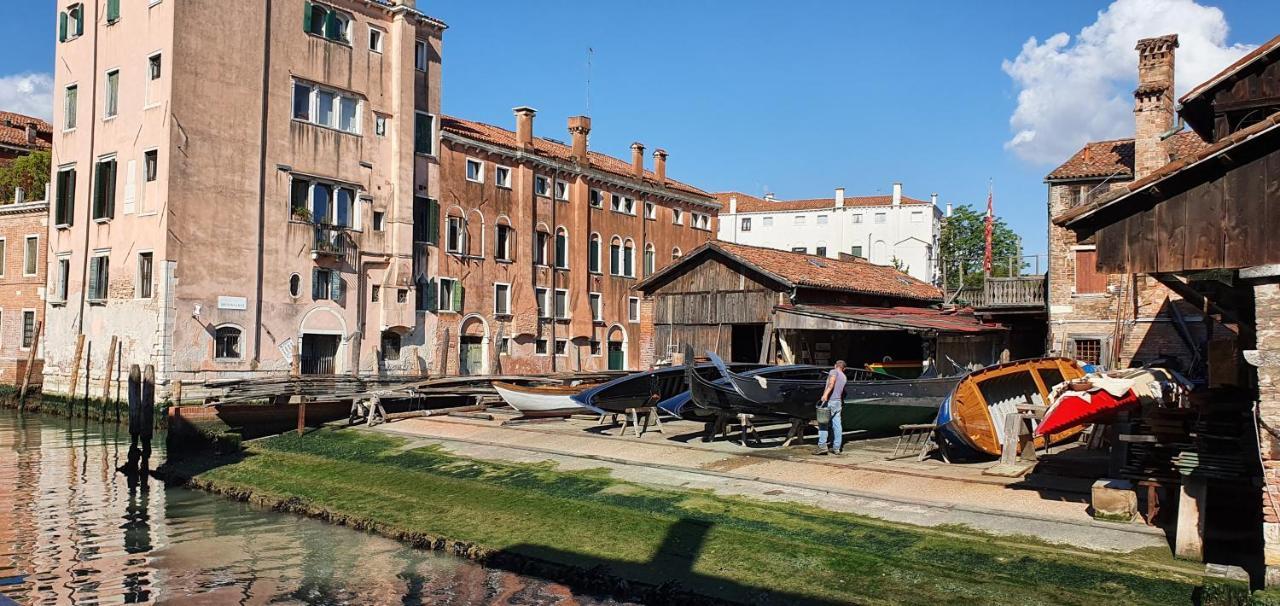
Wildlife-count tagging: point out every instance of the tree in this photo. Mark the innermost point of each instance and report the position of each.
(30, 172)
(963, 244)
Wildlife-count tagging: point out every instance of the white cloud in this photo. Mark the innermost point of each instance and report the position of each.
(28, 94)
(1075, 90)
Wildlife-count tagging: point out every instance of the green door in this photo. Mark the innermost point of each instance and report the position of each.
(615, 356)
(471, 356)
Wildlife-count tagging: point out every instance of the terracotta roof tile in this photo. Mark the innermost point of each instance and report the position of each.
(496, 135)
(13, 131)
(1114, 158)
(812, 271)
(1240, 64)
(751, 204)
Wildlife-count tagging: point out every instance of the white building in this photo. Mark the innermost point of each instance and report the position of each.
(881, 229)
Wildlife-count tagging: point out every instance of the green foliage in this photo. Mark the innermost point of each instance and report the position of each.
(963, 244)
(899, 264)
(30, 172)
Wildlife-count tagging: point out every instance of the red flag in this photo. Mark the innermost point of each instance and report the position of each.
(986, 261)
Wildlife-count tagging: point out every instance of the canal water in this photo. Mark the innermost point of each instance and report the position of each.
(74, 531)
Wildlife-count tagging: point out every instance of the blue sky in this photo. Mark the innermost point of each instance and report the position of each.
(804, 96)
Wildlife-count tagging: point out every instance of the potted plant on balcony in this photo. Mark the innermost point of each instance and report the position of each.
(301, 213)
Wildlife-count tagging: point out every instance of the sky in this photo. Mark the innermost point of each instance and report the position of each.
(797, 98)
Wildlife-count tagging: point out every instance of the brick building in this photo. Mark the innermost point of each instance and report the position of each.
(231, 213)
(21, 135)
(22, 274)
(1114, 319)
(541, 243)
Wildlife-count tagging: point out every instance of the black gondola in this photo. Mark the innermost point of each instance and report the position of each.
(647, 388)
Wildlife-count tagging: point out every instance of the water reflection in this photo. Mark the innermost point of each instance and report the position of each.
(73, 530)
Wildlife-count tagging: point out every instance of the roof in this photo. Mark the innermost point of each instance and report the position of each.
(752, 204)
(13, 131)
(39, 206)
(496, 135)
(1267, 125)
(811, 271)
(1114, 158)
(909, 318)
(1240, 64)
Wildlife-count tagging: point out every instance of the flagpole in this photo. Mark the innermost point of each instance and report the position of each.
(986, 259)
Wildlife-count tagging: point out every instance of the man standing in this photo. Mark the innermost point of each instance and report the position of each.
(831, 403)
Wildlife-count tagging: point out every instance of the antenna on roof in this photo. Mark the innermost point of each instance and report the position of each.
(590, 52)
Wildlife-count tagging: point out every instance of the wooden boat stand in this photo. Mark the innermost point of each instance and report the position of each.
(631, 416)
(917, 439)
(798, 427)
(724, 423)
(1018, 452)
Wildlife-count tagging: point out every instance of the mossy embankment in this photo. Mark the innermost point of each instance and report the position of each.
(97, 409)
(590, 530)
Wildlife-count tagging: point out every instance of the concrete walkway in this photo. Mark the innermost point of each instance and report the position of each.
(873, 487)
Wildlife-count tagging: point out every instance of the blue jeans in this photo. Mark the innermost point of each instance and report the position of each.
(837, 429)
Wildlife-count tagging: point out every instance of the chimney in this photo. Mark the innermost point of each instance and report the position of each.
(897, 194)
(660, 164)
(839, 197)
(1153, 103)
(579, 129)
(770, 197)
(19, 196)
(733, 205)
(32, 134)
(524, 126)
(637, 159)
(933, 199)
(948, 209)
(409, 3)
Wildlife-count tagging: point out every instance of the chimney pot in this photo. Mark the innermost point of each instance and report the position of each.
(1153, 103)
(948, 209)
(769, 196)
(580, 130)
(897, 194)
(733, 205)
(933, 199)
(32, 134)
(524, 126)
(839, 197)
(660, 165)
(19, 196)
(637, 159)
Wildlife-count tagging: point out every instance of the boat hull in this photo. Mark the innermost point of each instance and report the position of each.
(645, 388)
(540, 402)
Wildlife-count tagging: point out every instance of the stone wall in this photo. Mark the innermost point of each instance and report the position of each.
(19, 292)
(1267, 309)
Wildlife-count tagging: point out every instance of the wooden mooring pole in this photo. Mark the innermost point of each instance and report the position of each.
(88, 366)
(31, 360)
(75, 368)
(111, 366)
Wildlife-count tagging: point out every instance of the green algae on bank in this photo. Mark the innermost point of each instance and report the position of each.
(731, 548)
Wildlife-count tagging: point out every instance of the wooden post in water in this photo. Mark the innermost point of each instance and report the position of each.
(31, 360)
(88, 365)
(302, 416)
(75, 368)
(111, 366)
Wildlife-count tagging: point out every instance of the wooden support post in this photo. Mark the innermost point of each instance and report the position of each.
(75, 366)
(111, 365)
(1188, 539)
(176, 392)
(766, 343)
(295, 369)
(88, 366)
(302, 416)
(31, 360)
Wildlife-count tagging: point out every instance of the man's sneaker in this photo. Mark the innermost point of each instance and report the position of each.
(838, 451)
(821, 452)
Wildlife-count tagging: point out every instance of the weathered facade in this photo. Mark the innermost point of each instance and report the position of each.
(21, 135)
(23, 229)
(230, 213)
(541, 243)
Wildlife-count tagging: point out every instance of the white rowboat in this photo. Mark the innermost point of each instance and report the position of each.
(543, 400)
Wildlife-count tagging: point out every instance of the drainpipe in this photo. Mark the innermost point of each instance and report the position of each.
(262, 184)
(362, 303)
(88, 208)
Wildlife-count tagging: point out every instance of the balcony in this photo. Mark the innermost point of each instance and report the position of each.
(331, 241)
(1022, 292)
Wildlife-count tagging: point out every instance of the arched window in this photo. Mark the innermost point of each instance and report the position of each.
(562, 248)
(226, 343)
(629, 259)
(593, 254)
(541, 242)
(676, 254)
(455, 232)
(650, 259)
(295, 285)
(390, 345)
(615, 256)
(503, 240)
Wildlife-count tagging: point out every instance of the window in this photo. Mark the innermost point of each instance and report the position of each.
(375, 39)
(390, 345)
(326, 107)
(30, 255)
(562, 248)
(504, 346)
(767, 222)
(426, 220)
(112, 101)
(1088, 280)
(746, 224)
(822, 219)
(455, 235)
(622, 204)
(650, 211)
(402, 295)
(541, 185)
(857, 217)
(800, 249)
(917, 216)
(633, 309)
(502, 243)
(64, 276)
(562, 304)
(676, 254)
(380, 125)
(113, 11)
(154, 69)
(596, 198)
(145, 273)
(502, 176)
(151, 165)
(327, 23)
(541, 238)
(540, 347)
(593, 254)
(540, 296)
(28, 328)
(379, 220)
(629, 259)
(597, 306)
(475, 171)
(2, 256)
(596, 350)
(1088, 351)
(420, 55)
(226, 343)
(323, 203)
(615, 256)
(880, 217)
(701, 221)
(104, 189)
(800, 219)
(821, 251)
(99, 273)
(451, 295)
(856, 251)
(71, 23)
(650, 259)
(69, 98)
(562, 347)
(327, 284)
(562, 191)
(677, 216)
(501, 299)
(375, 293)
(424, 126)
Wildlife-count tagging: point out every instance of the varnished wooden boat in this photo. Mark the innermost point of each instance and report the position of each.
(971, 418)
(542, 400)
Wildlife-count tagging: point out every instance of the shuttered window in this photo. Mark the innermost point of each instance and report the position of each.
(424, 134)
(113, 11)
(426, 220)
(593, 255)
(327, 284)
(99, 275)
(104, 190)
(1088, 279)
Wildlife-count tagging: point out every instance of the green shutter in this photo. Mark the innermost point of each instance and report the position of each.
(113, 11)
(93, 277)
(335, 286)
(62, 26)
(433, 221)
(70, 217)
(315, 283)
(110, 194)
(306, 17)
(98, 189)
(432, 295)
(419, 133)
(80, 23)
(593, 256)
(459, 294)
(333, 26)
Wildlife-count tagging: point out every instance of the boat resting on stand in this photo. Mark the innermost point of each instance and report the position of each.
(542, 400)
(645, 389)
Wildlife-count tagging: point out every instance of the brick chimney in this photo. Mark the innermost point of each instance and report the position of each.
(524, 126)
(32, 134)
(579, 129)
(1153, 103)
(660, 165)
(897, 194)
(839, 197)
(637, 159)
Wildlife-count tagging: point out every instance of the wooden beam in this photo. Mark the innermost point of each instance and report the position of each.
(75, 366)
(1184, 290)
(31, 360)
(111, 365)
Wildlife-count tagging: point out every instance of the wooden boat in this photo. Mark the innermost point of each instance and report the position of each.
(542, 400)
(908, 369)
(645, 388)
(971, 419)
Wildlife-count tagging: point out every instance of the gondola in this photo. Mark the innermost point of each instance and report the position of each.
(646, 388)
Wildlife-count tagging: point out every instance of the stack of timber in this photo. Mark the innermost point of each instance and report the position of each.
(347, 387)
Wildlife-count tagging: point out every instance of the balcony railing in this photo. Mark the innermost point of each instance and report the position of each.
(331, 241)
(996, 293)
